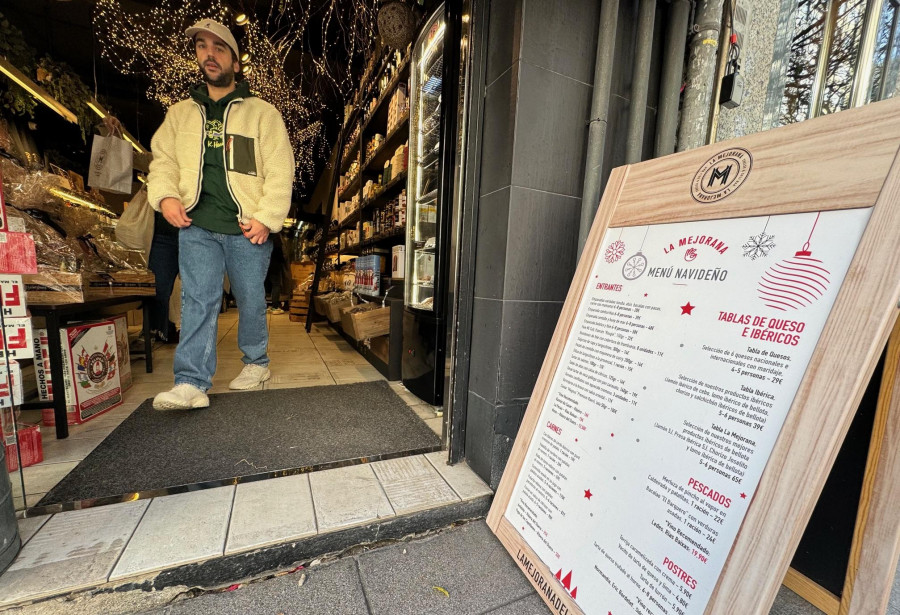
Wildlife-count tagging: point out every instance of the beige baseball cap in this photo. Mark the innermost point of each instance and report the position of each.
(214, 27)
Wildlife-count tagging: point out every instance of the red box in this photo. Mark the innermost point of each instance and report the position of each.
(31, 447)
(17, 254)
(17, 337)
(12, 296)
(91, 382)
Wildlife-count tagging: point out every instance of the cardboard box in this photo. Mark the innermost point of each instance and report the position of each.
(398, 261)
(123, 351)
(15, 376)
(29, 444)
(301, 271)
(17, 338)
(42, 366)
(365, 321)
(330, 305)
(90, 372)
(12, 295)
(136, 318)
(17, 253)
(368, 274)
(64, 287)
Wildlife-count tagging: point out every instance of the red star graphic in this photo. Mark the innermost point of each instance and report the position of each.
(687, 308)
(612, 435)
(588, 494)
(743, 496)
(645, 294)
(576, 439)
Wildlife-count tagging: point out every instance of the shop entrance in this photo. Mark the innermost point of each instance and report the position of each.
(325, 406)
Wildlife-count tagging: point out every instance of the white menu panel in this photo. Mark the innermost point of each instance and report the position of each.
(686, 353)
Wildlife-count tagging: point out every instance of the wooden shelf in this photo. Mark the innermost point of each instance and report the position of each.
(386, 151)
(350, 221)
(388, 91)
(347, 160)
(352, 187)
(389, 190)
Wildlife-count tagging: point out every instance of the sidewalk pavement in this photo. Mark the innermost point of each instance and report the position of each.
(458, 570)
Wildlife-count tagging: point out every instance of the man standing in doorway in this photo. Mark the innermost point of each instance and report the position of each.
(222, 173)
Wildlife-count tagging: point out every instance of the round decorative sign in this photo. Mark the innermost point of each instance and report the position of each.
(98, 367)
(721, 175)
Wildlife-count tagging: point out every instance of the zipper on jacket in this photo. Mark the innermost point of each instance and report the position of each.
(240, 215)
(202, 150)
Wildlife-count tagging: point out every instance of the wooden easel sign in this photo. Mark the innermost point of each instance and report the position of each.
(725, 317)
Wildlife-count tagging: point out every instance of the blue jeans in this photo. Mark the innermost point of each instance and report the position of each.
(203, 258)
(163, 263)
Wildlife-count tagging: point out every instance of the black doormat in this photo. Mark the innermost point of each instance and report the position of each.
(258, 433)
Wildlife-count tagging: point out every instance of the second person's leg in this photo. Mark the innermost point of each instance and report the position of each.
(247, 264)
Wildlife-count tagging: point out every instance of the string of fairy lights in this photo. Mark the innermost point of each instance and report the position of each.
(152, 42)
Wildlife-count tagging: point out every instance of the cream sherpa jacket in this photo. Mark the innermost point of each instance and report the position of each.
(259, 166)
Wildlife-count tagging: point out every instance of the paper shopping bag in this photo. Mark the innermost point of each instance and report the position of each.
(134, 229)
(111, 164)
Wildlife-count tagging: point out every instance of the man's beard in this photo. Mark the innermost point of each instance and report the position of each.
(225, 78)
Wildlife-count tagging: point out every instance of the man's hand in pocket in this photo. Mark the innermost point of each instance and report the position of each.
(255, 231)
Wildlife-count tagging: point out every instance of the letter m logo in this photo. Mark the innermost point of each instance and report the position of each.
(719, 174)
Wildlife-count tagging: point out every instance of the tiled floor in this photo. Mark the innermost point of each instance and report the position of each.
(86, 548)
(298, 359)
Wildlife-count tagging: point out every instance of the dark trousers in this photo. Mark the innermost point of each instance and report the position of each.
(164, 265)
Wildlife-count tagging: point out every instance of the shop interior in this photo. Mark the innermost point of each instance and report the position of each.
(357, 335)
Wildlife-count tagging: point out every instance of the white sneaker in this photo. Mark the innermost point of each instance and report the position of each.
(250, 377)
(277, 311)
(182, 397)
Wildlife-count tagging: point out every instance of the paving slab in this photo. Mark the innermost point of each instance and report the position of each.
(29, 527)
(270, 511)
(333, 588)
(73, 550)
(468, 562)
(460, 477)
(349, 496)
(178, 529)
(530, 605)
(412, 483)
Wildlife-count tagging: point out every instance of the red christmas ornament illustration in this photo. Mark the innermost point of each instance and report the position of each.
(795, 282)
(615, 251)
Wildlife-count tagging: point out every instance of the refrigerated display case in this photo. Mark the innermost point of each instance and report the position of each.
(426, 227)
(424, 171)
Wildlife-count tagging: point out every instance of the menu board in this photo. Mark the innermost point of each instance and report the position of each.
(687, 349)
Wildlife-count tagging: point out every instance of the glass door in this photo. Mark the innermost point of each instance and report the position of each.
(424, 169)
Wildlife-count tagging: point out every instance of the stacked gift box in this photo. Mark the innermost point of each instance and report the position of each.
(17, 257)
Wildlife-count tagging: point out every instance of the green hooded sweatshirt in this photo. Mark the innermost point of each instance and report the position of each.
(216, 210)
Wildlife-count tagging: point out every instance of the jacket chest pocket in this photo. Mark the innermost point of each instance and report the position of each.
(240, 154)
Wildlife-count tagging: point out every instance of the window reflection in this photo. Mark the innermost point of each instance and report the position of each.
(886, 67)
(843, 55)
(809, 29)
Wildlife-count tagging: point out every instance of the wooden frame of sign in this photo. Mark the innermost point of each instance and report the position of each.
(837, 162)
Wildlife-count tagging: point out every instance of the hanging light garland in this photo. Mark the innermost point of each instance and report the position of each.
(153, 43)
